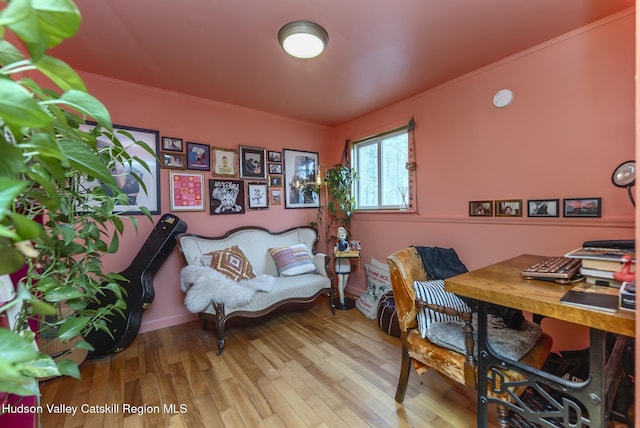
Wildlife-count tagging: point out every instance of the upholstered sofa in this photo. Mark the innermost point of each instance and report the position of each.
(406, 267)
(262, 249)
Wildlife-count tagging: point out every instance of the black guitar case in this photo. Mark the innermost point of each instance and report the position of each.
(139, 288)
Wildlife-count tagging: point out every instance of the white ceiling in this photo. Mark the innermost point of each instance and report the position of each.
(380, 51)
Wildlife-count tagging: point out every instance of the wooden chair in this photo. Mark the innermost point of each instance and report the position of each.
(405, 267)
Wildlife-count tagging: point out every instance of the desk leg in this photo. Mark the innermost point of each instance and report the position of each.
(567, 403)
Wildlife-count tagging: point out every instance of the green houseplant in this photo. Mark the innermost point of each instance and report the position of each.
(54, 227)
(340, 205)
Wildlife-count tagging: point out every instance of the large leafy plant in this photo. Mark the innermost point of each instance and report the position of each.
(54, 226)
(340, 205)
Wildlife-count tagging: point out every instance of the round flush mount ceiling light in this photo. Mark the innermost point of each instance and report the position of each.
(502, 98)
(303, 39)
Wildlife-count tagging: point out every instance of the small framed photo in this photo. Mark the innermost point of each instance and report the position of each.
(275, 168)
(226, 196)
(187, 191)
(480, 208)
(253, 162)
(543, 207)
(582, 207)
(198, 156)
(508, 208)
(257, 196)
(171, 144)
(172, 160)
(275, 156)
(275, 196)
(275, 181)
(225, 162)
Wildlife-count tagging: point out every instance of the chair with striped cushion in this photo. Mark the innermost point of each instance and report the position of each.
(438, 329)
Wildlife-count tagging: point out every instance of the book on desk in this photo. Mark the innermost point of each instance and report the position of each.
(587, 295)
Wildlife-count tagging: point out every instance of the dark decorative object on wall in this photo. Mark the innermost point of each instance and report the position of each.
(198, 156)
(543, 207)
(481, 208)
(253, 162)
(582, 207)
(226, 197)
(171, 144)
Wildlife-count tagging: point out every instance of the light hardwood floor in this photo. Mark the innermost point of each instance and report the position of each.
(297, 368)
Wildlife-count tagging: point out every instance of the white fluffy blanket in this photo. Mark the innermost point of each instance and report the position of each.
(204, 285)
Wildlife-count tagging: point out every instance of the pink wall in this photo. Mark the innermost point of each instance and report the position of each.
(206, 122)
(569, 126)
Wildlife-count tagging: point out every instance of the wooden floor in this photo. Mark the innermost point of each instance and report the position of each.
(298, 368)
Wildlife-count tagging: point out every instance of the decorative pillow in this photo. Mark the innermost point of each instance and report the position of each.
(231, 261)
(433, 292)
(378, 283)
(508, 342)
(293, 260)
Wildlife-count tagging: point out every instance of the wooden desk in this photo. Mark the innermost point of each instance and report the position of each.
(502, 284)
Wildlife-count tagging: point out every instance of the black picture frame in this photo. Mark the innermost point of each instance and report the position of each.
(253, 163)
(274, 156)
(300, 186)
(145, 163)
(582, 207)
(543, 208)
(257, 196)
(171, 144)
(226, 196)
(198, 156)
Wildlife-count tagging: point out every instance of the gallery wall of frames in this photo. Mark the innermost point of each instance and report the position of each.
(570, 207)
(226, 180)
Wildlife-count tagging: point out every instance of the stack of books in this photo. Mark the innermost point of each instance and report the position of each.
(599, 264)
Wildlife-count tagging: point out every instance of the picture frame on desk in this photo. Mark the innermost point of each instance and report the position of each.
(543, 208)
(582, 207)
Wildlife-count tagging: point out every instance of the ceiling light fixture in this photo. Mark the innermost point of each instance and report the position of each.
(303, 39)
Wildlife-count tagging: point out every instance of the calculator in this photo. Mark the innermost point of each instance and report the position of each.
(563, 270)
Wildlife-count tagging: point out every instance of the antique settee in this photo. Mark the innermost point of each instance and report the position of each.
(285, 265)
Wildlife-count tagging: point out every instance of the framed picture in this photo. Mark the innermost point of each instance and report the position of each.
(275, 156)
(253, 162)
(275, 168)
(582, 207)
(508, 208)
(144, 165)
(480, 208)
(257, 196)
(187, 191)
(172, 160)
(300, 188)
(198, 156)
(543, 207)
(275, 195)
(225, 162)
(275, 181)
(171, 144)
(226, 196)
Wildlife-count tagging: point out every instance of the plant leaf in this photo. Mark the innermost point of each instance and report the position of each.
(86, 104)
(60, 73)
(17, 107)
(68, 368)
(72, 327)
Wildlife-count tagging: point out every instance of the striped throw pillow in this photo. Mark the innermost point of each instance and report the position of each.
(293, 260)
(433, 292)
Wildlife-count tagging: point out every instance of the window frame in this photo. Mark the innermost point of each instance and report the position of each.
(377, 141)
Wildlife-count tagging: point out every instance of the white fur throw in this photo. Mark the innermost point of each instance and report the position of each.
(204, 285)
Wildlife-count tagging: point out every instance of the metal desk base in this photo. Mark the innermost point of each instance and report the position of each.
(582, 404)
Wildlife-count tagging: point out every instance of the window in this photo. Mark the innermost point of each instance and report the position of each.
(381, 165)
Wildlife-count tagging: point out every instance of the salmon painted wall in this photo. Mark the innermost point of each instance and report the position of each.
(570, 124)
(206, 122)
